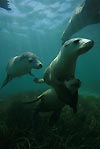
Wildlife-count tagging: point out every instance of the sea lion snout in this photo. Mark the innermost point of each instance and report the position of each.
(88, 45)
(40, 66)
(34, 62)
(91, 43)
(37, 64)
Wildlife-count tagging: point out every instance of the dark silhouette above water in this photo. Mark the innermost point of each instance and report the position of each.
(86, 14)
(5, 4)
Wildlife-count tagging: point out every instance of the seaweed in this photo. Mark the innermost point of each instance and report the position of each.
(72, 131)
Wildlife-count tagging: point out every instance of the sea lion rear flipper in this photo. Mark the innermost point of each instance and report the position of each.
(54, 117)
(8, 78)
(4, 4)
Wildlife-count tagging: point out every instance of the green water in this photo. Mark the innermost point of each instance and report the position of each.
(37, 26)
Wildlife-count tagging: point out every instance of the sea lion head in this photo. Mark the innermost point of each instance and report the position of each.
(31, 60)
(77, 46)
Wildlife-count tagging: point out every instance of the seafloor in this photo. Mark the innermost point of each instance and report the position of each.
(72, 131)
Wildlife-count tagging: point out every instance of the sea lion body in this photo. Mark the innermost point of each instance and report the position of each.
(62, 68)
(48, 101)
(21, 65)
(87, 13)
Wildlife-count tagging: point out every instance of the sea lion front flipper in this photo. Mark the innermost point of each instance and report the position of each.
(30, 73)
(8, 78)
(65, 95)
(38, 80)
(35, 100)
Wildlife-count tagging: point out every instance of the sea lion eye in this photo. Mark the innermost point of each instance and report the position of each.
(77, 41)
(30, 60)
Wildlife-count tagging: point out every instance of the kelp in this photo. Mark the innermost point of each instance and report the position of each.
(72, 131)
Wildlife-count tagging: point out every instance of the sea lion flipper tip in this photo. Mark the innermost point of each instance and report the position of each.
(5, 82)
(5, 4)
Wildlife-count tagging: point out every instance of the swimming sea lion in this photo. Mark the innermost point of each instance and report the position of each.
(62, 68)
(86, 14)
(20, 65)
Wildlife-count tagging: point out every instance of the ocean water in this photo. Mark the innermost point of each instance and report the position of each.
(37, 26)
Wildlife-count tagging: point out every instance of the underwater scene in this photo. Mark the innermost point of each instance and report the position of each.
(49, 74)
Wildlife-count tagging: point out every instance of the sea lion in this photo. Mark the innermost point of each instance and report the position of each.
(5, 4)
(20, 65)
(62, 68)
(48, 101)
(86, 14)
